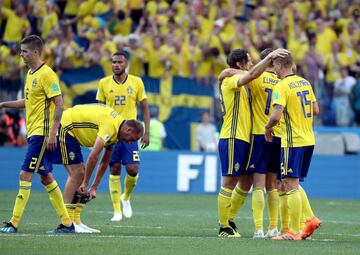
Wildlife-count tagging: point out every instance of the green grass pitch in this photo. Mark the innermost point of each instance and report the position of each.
(171, 224)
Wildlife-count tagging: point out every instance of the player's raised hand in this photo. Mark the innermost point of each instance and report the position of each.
(269, 134)
(278, 53)
(145, 140)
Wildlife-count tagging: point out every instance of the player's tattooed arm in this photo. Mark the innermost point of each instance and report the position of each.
(274, 120)
(275, 116)
(59, 108)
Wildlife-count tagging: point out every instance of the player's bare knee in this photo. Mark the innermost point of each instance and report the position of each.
(115, 169)
(291, 184)
(271, 184)
(132, 169)
(46, 179)
(245, 182)
(229, 182)
(25, 176)
(258, 181)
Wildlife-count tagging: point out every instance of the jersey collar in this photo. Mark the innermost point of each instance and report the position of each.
(289, 75)
(271, 72)
(120, 82)
(37, 68)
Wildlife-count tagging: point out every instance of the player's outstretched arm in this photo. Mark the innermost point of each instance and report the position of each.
(273, 120)
(13, 104)
(260, 67)
(228, 72)
(91, 163)
(104, 162)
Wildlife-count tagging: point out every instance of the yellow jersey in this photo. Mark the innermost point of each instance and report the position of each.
(122, 97)
(89, 121)
(296, 95)
(41, 85)
(15, 26)
(236, 110)
(261, 97)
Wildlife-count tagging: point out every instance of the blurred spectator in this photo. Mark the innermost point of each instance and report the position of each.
(137, 57)
(11, 129)
(355, 102)
(342, 90)
(157, 131)
(17, 24)
(313, 64)
(185, 38)
(13, 67)
(206, 134)
(4, 139)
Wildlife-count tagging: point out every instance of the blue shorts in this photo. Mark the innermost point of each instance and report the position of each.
(295, 161)
(264, 156)
(125, 153)
(38, 159)
(68, 150)
(233, 156)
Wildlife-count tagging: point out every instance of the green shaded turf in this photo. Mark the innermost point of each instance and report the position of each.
(171, 224)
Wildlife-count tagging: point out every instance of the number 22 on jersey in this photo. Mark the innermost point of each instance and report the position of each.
(120, 100)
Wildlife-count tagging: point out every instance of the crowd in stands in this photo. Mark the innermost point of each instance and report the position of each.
(191, 38)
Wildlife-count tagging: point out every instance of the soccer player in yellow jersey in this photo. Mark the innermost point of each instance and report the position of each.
(102, 128)
(294, 107)
(264, 158)
(234, 143)
(122, 92)
(44, 108)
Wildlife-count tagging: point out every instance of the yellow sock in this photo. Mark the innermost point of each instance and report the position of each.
(130, 183)
(20, 202)
(258, 204)
(79, 208)
(237, 200)
(284, 212)
(57, 202)
(115, 192)
(273, 207)
(306, 208)
(70, 208)
(295, 211)
(224, 203)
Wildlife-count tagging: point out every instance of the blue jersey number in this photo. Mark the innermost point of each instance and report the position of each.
(304, 102)
(268, 100)
(120, 100)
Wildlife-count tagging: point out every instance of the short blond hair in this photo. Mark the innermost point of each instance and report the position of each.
(286, 61)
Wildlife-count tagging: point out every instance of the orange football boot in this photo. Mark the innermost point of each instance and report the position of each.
(288, 236)
(310, 227)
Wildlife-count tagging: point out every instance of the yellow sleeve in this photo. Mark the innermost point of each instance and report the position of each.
(141, 93)
(281, 95)
(6, 12)
(233, 81)
(100, 93)
(51, 85)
